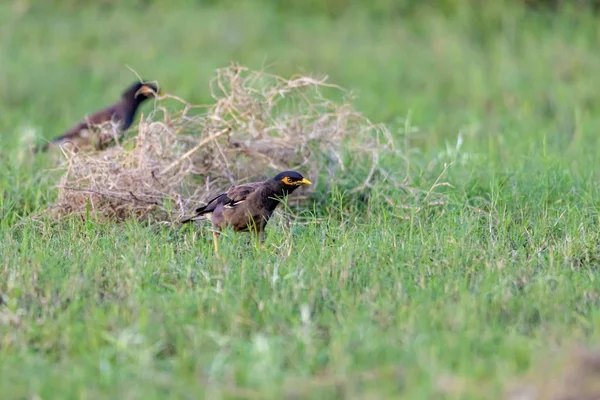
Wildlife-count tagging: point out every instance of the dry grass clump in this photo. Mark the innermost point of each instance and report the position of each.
(259, 124)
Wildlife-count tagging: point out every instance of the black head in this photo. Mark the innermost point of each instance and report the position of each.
(140, 91)
(291, 179)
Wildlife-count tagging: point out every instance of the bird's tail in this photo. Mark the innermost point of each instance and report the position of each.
(43, 147)
(199, 212)
(190, 219)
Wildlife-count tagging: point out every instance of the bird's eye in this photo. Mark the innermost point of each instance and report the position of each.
(287, 181)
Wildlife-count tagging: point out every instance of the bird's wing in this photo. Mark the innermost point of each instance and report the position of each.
(213, 203)
(105, 115)
(233, 197)
(239, 194)
(71, 133)
(97, 118)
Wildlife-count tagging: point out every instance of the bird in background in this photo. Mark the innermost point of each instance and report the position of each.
(247, 208)
(121, 113)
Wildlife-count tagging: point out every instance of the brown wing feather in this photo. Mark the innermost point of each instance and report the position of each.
(232, 197)
(115, 111)
(112, 112)
(241, 192)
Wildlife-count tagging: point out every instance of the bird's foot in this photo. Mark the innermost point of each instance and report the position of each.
(216, 244)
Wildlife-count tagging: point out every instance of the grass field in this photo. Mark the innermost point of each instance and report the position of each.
(383, 296)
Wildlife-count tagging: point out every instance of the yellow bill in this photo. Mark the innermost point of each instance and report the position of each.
(145, 90)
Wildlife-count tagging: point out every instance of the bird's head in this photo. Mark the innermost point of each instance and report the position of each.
(140, 91)
(290, 180)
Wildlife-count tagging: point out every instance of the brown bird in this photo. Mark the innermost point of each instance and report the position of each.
(121, 113)
(248, 207)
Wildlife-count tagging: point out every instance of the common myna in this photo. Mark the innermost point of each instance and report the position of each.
(121, 113)
(248, 207)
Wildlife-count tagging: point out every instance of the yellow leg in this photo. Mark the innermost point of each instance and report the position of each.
(216, 242)
(261, 239)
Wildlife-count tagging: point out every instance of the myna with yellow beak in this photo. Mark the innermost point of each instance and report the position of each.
(248, 207)
(121, 113)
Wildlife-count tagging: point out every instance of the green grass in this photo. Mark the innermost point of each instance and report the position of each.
(383, 296)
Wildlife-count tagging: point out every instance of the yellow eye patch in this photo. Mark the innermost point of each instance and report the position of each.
(288, 181)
